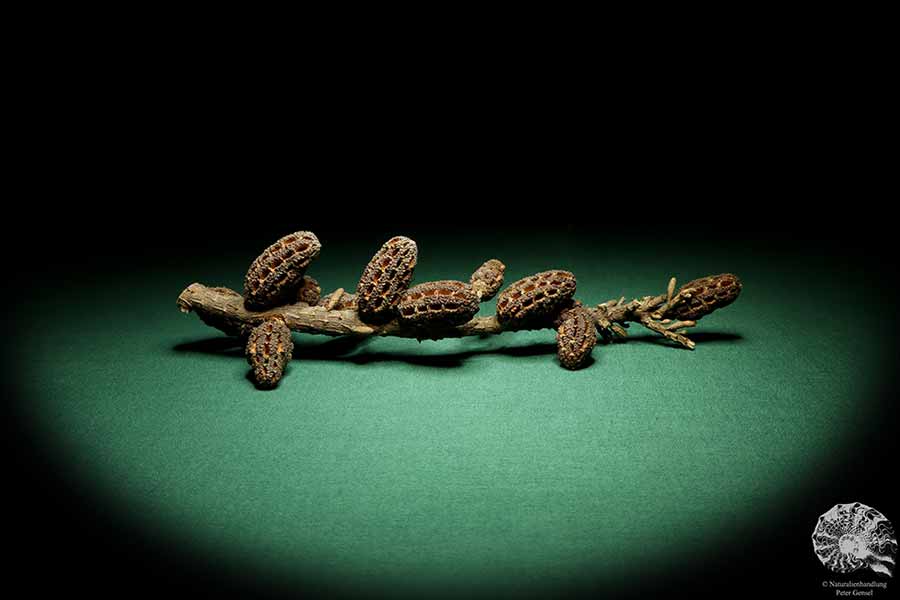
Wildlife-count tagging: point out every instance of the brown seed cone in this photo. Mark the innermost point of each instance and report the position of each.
(274, 276)
(438, 304)
(309, 291)
(699, 297)
(575, 337)
(487, 279)
(564, 309)
(269, 349)
(385, 279)
(535, 298)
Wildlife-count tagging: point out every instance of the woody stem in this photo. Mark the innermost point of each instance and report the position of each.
(223, 309)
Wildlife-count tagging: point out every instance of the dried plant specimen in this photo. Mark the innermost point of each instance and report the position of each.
(487, 279)
(269, 349)
(385, 305)
(535, 298)
(576, 337)
(274, 276)
(385, 279)
(438, 304)
(700, 297)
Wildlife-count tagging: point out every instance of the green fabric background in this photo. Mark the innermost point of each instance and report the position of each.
(457, 464)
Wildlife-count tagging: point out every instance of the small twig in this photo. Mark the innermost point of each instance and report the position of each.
(648, 311)
(619, 330)
(676, 325)
(601, 314)
(671, 335)
(333, 299)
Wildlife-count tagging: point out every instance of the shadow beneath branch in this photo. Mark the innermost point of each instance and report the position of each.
(217, 346)
(352, 350)
(701, 338)
(452, 359)
(349, 349)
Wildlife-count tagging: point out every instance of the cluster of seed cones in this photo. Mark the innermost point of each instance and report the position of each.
(384, 295)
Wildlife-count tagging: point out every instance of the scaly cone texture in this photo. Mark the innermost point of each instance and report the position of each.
(385, 305)
(274, 276)
(269, 349)
(534, 299)
(576, 337)
(700, 297)
(488, 279)
(309, 291)
(385, 279)
(438, 304)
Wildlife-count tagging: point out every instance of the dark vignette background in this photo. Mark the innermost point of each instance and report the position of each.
(137, 164)
(58, 520)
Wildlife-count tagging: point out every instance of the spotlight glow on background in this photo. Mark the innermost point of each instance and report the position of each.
(470, 464)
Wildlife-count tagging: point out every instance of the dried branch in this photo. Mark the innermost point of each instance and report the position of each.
(667, 333)
(224, 309)
(279, 298)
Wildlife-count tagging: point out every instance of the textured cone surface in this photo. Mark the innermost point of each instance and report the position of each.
(274, 276)
(385, 279)
(706, 295)
(533, 299)
(488, 278)
(269, 349)
(575, 337)
(438, 303)
(564, 310)
(309, 291)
